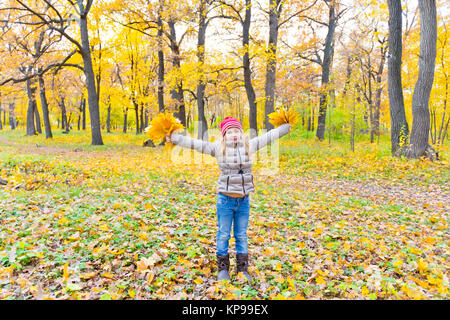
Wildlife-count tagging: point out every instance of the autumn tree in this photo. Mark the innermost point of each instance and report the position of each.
(59, 18)
(399, 125)
(419, 145)
(324, 59)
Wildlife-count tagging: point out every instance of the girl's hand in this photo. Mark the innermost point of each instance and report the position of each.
(168, 138)
(290, 127)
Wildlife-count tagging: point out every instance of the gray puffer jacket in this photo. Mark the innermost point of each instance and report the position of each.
(236, 166)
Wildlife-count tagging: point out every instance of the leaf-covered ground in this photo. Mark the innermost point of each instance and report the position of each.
(123, 222)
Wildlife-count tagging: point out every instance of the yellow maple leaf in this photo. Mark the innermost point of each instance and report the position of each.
(436, 281)
(108, 275)
(364, 291)
(320, 280)
(150, 277)
(75, 236)
(282, 116)
(161, 125)
(297, 267)
(141, 265)
(131, 293)
(241, 277)
(298, 296)
(290, 283)
(411, 292)
(422, 266)
(66, 272)
(421, 283)
(198, 280)
(321, 272)
(22, 282)
(397, 263)
(116, 205)
(143, 236)
(88, 275)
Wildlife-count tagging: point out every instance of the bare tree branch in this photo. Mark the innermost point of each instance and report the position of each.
(40, 16)
(297, 13)
(43, 71)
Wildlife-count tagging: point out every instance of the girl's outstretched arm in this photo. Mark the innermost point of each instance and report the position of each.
(261, 141)
(202, 146)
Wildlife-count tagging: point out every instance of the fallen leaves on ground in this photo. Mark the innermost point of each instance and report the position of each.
(128, 224)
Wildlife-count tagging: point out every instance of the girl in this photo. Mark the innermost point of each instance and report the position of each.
(233, 153)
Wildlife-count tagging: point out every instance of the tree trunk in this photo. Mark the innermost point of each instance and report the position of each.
(141, 117)
(108, 118)
(419, 145)
(440, 136)
(250, 91)
(445, 131)
(177, 91)
(64, 116)
(37, 118)
(136, 114)
(326, 66)
(347, 78)
(125, 121)
(84, 114)
(274, 14)
(45, 112)
(378, 92)
(203, 125)
(4, 117)
(94, 111)
(369, 97)
(160, 62)
(12, 116)
(399, 125)
(146, 118)
(31, 130)
(1, 125)
(69, 122)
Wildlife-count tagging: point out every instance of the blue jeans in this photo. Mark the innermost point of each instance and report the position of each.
(234, 211)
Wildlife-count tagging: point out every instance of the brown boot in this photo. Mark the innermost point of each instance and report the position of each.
(242, 264)
(223, 266)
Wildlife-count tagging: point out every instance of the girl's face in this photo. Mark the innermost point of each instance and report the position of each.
(233, 135)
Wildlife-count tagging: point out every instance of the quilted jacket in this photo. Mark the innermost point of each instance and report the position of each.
(236, 166)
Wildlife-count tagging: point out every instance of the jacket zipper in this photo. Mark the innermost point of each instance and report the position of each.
(228, 180)
(242, 174)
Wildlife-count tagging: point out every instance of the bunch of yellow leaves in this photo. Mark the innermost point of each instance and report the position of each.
(282, 116)
(161, 125)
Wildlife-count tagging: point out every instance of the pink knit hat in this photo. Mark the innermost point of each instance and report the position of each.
(229, 122)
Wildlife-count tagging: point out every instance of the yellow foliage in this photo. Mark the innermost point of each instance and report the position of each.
(422, 266)
(282, 116)
(320, 280)
(108, 275)
(364, 291)
(161, 125)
